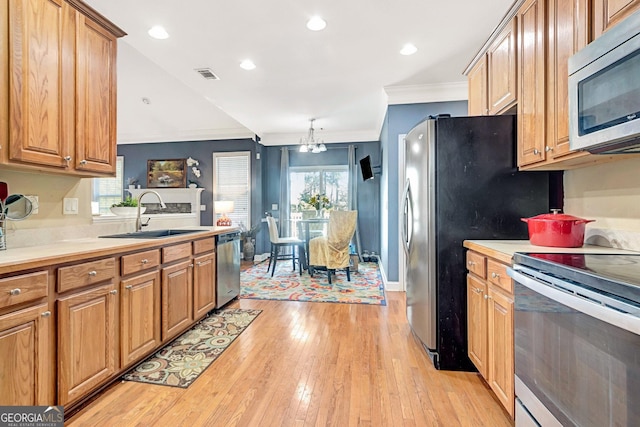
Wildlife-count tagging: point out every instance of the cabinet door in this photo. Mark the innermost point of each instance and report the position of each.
(501, 369)
(501, 70)
(567, 33)
(96, 97)
(531, 96)
(204, 285)
(477, 80)
(41, 82)
(140, 316)
(177, 303)
(86, 341)
(608, 13)
(477, 323)
(25, 359)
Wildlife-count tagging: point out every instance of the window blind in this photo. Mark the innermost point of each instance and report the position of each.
(107, 191)
(232, 181)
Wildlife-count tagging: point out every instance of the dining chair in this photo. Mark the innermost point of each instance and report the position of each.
(331, 252)
(278, 242)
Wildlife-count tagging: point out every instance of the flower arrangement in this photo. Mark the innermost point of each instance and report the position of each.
(193, 164)
(319, 201)
(127, 202)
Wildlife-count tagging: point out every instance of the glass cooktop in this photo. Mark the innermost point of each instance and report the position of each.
(612, 273)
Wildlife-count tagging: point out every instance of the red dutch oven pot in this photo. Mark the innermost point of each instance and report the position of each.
(556, 230)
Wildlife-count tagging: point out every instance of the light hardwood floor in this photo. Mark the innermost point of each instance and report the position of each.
(310, 364)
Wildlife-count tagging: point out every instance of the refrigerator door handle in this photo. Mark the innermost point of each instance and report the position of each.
(407, 223)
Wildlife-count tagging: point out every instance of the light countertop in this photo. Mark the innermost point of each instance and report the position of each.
(503, 250)
(15, 259)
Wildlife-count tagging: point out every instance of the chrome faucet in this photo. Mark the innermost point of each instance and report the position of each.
(138, 221)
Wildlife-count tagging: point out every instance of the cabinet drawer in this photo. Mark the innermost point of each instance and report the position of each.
(476, 264)
(175, 252)
(204, 245)
(140, 261)
(88, 273)
(23, 288)
(497, 274)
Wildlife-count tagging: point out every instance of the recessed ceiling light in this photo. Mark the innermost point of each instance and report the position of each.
(316, 23)
(408, 49)
(158, 32)
(247, 64)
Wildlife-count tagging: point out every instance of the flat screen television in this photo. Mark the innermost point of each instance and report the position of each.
(365, 168)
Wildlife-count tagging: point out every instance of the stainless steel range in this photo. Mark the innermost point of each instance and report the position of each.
(577, 339)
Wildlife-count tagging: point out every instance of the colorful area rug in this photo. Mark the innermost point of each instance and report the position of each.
(365, 287)
(179, 363)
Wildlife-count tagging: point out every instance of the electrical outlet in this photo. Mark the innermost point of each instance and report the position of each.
(70, 206)
(34, 204)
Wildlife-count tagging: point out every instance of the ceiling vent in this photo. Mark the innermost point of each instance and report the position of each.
(207, 73)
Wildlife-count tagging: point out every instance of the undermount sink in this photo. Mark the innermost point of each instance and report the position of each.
(151, 234)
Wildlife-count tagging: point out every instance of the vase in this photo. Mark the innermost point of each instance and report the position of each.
(319, 213)
(248, 249)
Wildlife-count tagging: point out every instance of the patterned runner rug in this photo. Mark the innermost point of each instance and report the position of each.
(179, 363)
(365, 287)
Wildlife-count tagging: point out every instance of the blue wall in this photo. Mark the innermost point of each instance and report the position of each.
(399, 120)
(136, 156)
(265, 176)
(368, 192)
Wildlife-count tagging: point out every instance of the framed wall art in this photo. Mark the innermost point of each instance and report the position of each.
(167, 173)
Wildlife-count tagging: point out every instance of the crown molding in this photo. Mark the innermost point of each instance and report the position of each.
(272, 139)
(417, 94)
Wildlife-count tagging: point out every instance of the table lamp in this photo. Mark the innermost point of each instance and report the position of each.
(223, 207)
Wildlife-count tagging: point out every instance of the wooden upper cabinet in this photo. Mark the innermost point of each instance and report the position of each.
(61, 97)
(96, 95)
(41, 82)
(607, 13)
(501, 70)
(531, 75)
(568, 32)
(477, 79)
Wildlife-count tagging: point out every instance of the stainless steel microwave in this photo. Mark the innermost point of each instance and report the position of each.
(604, 92)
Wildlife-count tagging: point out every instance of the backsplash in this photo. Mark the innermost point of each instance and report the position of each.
(609, 194)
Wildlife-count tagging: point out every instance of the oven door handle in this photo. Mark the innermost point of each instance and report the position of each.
(617, 318)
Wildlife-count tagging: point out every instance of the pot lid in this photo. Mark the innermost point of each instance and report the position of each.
(555, 215)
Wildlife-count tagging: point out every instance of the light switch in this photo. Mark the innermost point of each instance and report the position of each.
(70, 206)
(274, 207)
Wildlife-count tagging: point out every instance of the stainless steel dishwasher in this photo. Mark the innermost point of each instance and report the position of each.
(227, 267)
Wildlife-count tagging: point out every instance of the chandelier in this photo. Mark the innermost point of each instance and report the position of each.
(309, 144)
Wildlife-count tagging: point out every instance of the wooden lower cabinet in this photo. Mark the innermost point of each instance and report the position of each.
(490, 326)
(87, 341)
(177, 299)
(204, 286)
(26, 374)
(139, 316)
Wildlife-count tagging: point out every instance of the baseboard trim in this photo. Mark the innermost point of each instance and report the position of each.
(388, 286)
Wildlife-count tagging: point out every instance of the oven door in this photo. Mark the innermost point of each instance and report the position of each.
(577, 361)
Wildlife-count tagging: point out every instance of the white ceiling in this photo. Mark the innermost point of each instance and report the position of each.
(344, 76)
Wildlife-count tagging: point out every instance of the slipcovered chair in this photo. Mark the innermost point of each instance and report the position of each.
(332, 252)
(278, 242)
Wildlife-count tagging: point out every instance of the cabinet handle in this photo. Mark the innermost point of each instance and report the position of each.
(83, 162)
(15, 292)
(113, 292)
(477, 290)
(93, 273)
(536, 151)
(199, 263)
(144, 261)
(190, 265)
(67, 159)
(46, 314)
(495, 275)
(129, 287)
(471, 263)
(547, 149)
(486, 296)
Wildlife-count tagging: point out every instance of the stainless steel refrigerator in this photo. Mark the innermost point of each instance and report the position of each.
(462, 183)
